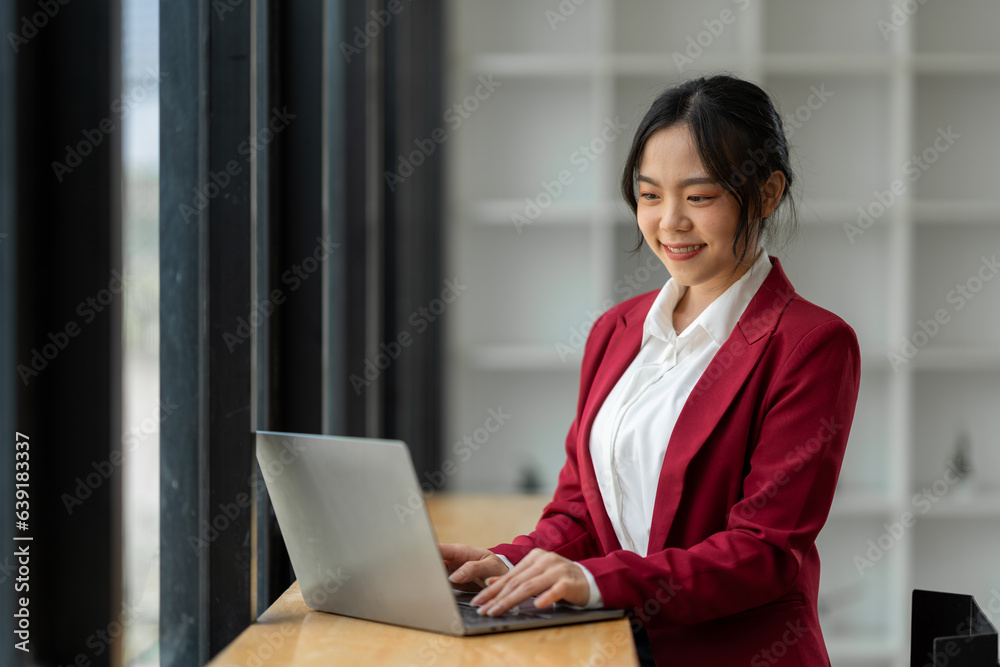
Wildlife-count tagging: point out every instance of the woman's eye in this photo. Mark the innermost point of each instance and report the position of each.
(698, 199)
(648, 196)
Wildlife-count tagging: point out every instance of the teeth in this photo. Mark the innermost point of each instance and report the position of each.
(689, 248)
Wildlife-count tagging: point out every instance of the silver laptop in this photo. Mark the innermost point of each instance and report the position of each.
(361, 544)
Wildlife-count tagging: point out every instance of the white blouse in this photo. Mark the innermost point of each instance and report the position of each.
(632, 428)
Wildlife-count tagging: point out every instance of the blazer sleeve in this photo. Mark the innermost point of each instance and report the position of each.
(566, 527)
(806, 417)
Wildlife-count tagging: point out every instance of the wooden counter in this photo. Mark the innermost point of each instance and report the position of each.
(289, 633)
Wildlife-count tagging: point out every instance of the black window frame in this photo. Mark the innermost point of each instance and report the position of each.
(320, 177)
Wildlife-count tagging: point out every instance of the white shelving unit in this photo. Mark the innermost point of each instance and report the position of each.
(534, 288)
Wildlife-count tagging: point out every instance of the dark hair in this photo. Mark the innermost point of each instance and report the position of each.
(739, 137)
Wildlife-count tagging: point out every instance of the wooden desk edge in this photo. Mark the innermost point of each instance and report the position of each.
(610, 641)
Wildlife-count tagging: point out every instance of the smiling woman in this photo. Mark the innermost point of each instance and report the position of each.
(686, 497)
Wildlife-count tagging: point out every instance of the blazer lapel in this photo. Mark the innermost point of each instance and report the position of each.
(714, 393)
(622, 347)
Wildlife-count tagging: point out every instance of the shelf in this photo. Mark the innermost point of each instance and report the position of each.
(944, 211)
(500, 212)
(977, 505)
(956, 63)
(954, 358)
(561, 356)
(800, 64)
(860, 504)
(661, 65)
(532, 65)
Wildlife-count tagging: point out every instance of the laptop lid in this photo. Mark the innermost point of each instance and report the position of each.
(353, 521)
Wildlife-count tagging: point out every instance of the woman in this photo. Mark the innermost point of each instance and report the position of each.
(712, 416)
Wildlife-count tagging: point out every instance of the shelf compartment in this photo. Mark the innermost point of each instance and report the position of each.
(548, 120)
(962, 170)
(945, 27)
(951, 211)
(668, 26)
(530, 288)
(839, 146)
(947, 404)
(848, 279)
(541, 408)
(520, 26)
(956, 289)
(792, 26)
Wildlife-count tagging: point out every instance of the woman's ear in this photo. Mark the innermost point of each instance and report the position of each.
(772, 191)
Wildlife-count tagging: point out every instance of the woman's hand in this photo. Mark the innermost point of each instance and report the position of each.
(469, 567)
(541, 573)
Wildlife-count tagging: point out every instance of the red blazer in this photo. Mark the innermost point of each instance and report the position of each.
(747, 481)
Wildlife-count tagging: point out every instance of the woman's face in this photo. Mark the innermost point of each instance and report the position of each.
(688, 220)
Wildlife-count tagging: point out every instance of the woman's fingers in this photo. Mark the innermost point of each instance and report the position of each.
(488, 565)
(514, 593)
(543, 574)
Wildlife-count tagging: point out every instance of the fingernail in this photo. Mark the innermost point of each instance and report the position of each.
(481, 611)
(455, 578)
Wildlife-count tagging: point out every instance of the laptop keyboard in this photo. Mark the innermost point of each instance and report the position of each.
(524, 612)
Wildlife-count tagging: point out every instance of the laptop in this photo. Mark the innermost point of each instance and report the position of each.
(361, 544)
